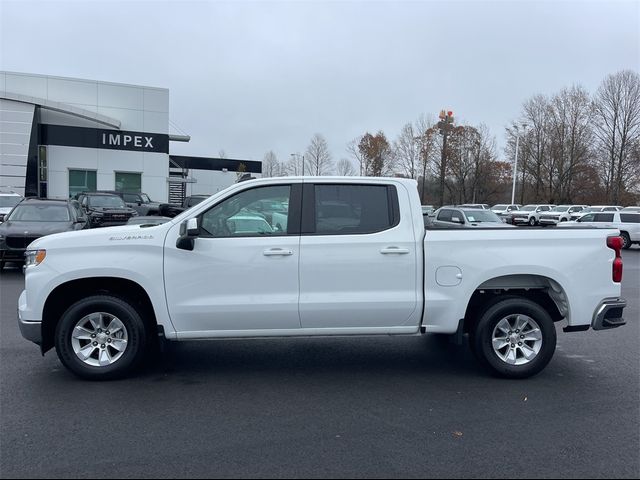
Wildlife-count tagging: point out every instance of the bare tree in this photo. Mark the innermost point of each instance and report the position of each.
(293, 167)
(270, 165)
(318, 157)
(617, 126)
(407, 151)
(345, 168)
(353, 149)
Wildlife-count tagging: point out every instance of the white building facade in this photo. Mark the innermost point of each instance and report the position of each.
(60, 136)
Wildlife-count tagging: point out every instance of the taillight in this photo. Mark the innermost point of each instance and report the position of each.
(616, 243)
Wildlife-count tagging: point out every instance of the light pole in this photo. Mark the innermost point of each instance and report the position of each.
(298, 155)
(445, 126)
(515, 165)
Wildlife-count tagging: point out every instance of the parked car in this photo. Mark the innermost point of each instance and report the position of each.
(140, 202)
(504, 209)
(428, 209)
(105, 209)
(34, 218)
(529, 214)
(171, 210)
(8, 200)
(148, 220)
(372, 270)
(600, 208)
(467, 218)
(482, 206)
(627, 222)
(560, 213)
(631, 209)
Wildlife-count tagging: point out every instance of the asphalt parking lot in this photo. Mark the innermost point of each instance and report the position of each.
(366, 407)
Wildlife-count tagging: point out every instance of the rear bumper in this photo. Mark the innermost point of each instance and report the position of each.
(608, 315)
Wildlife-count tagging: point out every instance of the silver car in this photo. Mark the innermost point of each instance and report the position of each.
(467, 218)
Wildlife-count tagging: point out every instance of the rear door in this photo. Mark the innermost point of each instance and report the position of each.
(358, 257)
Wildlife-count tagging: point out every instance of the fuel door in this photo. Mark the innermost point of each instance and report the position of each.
(448, 276)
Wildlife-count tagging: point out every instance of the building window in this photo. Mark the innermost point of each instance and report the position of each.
(81, 181)
(128, 182)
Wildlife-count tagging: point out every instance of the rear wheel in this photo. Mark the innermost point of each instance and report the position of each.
(626, 240)
(514, 338)
(101, 338)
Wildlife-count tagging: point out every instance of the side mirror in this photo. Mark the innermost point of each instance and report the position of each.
(139, 203)
(2, 217)
(189, 231)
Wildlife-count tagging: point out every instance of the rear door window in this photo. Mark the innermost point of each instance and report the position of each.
(445, 215)
(354, 209)
(603, 217)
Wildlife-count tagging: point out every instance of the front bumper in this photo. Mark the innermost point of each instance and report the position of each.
(608, 315)
(30, 329)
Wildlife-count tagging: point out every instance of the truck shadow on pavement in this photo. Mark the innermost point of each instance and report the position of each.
(429, 355)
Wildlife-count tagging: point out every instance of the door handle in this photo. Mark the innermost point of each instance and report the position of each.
(394, 250)
(277, 252)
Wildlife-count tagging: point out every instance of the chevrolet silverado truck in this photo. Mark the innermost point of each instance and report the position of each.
(353, 259)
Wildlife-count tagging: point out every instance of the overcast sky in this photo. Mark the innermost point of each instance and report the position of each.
(248, 77)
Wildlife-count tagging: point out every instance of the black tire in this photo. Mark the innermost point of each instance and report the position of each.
(126, 313)
(532, 222)
(626, 241)
(563, 219)
(482, 335)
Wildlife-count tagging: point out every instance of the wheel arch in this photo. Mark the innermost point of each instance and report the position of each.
(544, 291)
(68, 293)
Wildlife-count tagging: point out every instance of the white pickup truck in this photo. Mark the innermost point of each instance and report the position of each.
(354, 259)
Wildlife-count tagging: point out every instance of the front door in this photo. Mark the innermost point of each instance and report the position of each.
(242, 274)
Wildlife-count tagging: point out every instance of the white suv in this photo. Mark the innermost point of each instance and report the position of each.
(627, 222)
(561, 213)
(8, 200)
(529, 214)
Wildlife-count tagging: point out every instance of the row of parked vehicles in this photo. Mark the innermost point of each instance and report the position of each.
(626, 219)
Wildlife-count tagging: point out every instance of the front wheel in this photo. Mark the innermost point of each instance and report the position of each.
(514, 338)
(101, 338)
(532, 222)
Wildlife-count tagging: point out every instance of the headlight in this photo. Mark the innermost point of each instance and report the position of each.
(34, 257)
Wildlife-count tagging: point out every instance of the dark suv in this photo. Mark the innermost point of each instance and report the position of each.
(33, 218)
(105, 209)
(140, 202)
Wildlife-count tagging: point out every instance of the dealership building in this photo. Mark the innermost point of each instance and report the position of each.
(60, 136)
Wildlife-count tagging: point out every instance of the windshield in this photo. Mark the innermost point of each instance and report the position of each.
(528, 208)
(499, 207)
(40, 213)
(561, 208)
(591, 209)
(9, 201)
(482, 216)
(106, 201)
(145, 198)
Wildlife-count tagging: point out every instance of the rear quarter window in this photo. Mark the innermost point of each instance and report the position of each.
(630, 217)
